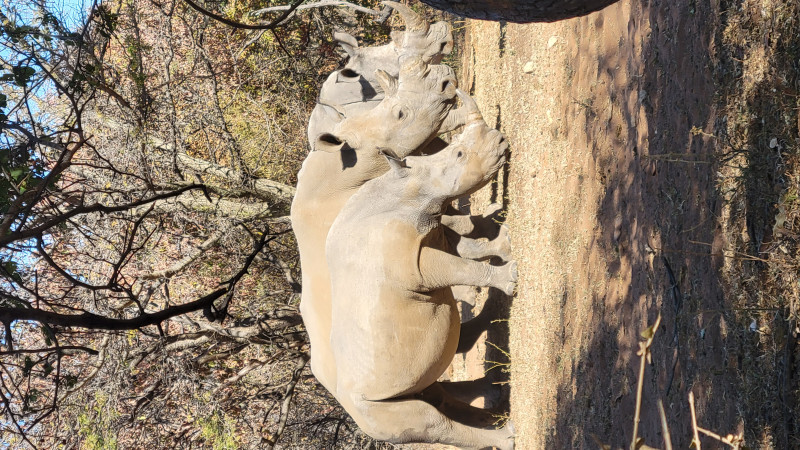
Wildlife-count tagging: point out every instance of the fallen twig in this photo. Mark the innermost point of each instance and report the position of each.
(696, 437)
(644, 352)
(664, 427)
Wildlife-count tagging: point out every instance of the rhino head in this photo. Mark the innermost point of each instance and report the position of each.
(356, 88)
(429, 42)
(464, 166)
(409, 116)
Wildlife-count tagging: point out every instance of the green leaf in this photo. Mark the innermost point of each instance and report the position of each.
(22, 74)
(16, 173)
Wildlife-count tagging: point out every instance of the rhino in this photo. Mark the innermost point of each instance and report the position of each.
(395, 324)
(355, 88)
(415, 106)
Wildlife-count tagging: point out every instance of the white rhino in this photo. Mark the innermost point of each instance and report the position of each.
(395, 324)
(355, 88)
(410, 115)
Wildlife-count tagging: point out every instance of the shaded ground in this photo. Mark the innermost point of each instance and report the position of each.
(612, 201)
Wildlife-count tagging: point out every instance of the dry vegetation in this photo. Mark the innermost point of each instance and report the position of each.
(655, 171)
(759, 177)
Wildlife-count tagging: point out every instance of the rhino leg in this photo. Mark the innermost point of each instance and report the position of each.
(474, 226)
(466, 294)
(480, 250)
(409, 420)
(440, 269)
(468, 391)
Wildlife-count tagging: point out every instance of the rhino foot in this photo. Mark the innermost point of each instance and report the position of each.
(503, 437)
(512, 433)
(502, 244)
(511, 275)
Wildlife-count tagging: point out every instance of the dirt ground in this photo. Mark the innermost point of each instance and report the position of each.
(610, 197)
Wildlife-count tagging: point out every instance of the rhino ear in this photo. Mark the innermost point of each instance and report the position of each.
(396, 164)
(387, 82)
(328, 142)
(346, 41)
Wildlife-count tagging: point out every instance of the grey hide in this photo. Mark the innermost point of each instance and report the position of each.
(395, 324)
(410, 115)
(355, 89)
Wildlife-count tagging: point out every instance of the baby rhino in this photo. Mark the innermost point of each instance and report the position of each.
(395, 322)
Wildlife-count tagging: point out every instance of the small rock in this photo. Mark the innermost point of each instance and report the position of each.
(552, 41)
(617, 227)
(528, 67)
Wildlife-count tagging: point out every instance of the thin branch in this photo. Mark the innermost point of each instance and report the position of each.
(320, 4)
(97, 207)
(186, 260)
(696, 436)
(268, 26)
(644, 353)
(93, 321)
(52, 349)
(287, 401)
(664, 426)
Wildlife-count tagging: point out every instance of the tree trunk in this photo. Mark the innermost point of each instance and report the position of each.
(519, 10)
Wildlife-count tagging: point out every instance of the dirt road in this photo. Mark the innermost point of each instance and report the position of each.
(611, 202)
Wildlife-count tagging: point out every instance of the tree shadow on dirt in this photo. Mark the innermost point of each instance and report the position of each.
(649, 120)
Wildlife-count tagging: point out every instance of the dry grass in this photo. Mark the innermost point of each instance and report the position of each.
(759, 175)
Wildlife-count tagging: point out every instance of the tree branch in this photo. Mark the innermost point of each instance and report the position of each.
(12, 236)
(197, 202)
(320, 4)
(287, 401)
(93, 321)
(273, 190)
(186, 260)
(269, 26)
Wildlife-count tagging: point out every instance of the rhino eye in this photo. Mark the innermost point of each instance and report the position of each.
(459, 154)
(398, 112)
(349, 73)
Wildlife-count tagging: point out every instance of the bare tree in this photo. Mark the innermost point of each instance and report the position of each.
(148, 272)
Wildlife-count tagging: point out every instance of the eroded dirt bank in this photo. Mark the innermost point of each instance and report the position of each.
(610, 197)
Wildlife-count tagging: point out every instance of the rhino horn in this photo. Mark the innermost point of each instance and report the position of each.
(346, 41)
(473, 113)
(414, 22)
(387, 82)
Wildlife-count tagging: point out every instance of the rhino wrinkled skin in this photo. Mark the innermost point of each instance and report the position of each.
(395, 322)
(410, 115)
(391, 100)
(355, 88)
